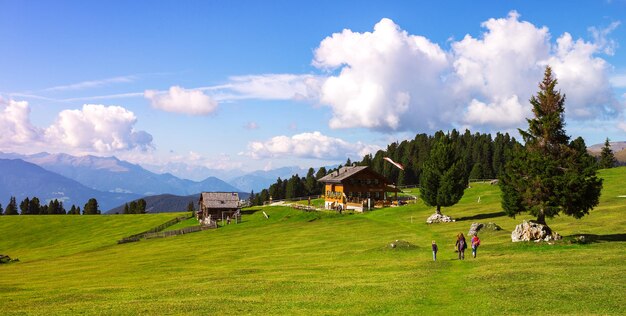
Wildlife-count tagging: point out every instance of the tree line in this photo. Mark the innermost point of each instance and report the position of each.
(476, 156)
(33, 206)
(481, 156)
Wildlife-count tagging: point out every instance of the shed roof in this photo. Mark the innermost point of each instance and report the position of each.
(220, 199)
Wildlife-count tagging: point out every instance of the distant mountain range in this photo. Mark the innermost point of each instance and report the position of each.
(114, 182)
(262, 179)
(110, 174)
(23, 179)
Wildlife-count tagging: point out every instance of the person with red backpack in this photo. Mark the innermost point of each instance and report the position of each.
(461, 245)
(475, 244)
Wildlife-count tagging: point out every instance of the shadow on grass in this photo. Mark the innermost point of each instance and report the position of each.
(590, 238)
(480, 216)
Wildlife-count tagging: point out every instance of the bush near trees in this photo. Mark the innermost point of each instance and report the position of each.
(549, 174)
(607, 157)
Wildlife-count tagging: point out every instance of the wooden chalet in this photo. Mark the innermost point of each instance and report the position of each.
(357, 188)
(214, 206)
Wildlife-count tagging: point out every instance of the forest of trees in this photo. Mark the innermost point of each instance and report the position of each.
(33, 206)
(482, 157)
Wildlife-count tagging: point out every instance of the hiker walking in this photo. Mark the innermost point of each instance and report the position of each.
(475, 244)
(435, 251)
(461, 245)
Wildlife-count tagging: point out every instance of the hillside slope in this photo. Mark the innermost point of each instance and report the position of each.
(323, 263)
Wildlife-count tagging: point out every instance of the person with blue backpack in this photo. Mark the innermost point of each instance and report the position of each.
(461, 245)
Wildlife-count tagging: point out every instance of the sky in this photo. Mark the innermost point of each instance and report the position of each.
(257, 85)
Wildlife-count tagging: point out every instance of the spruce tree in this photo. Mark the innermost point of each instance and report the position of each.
(11, 207)
(126, 209)
(443, 179)
(607, 158)
(91, 208)
(141, 206)
(190, 208)
(1, 210)
(25, 206)
(549, 174)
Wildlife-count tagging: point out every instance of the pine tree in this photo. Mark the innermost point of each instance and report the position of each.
(126, 209)
(141, 206)
(11, 207)
(91, 208)
(191, 209)
(443, 180)
(24, 206)
(607, 158)
(72, 210)
(132, 208)
(549, 174)
(1, 210)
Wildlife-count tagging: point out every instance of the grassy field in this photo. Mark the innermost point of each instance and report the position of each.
(318, 263)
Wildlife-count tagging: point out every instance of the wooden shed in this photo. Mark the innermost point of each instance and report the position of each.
(215, 206)
(357, 188)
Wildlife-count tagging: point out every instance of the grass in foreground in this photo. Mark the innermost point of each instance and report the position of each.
(324, 263)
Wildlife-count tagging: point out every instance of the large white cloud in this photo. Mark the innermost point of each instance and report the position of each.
(180, 100)
(390, 80)
(386, 77)
(15, 126)
(93, 129)
(97, 128)
(308, 145)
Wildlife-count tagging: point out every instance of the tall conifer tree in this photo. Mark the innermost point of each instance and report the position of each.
(607, 158)
(443, 179)
(549, 174)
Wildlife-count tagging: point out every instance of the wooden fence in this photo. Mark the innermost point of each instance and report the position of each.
(158, 230)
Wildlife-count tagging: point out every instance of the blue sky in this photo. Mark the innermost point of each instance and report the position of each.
(258, 84)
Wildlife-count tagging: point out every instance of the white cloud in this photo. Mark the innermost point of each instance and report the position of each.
(97, 128)
(502, 113)
(92, 83)
(93, 129)
(387, 78)
(622, 126)
(618, 81)
(180, 100)
(15, 126)
(275, 86)
(251, 125)
(583, 78)
(390, 80)
(308, 145)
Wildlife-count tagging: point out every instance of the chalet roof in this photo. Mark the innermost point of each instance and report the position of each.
(219, 199)
(341, 174)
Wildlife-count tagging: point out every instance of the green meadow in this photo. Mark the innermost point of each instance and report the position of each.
(319, 263)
